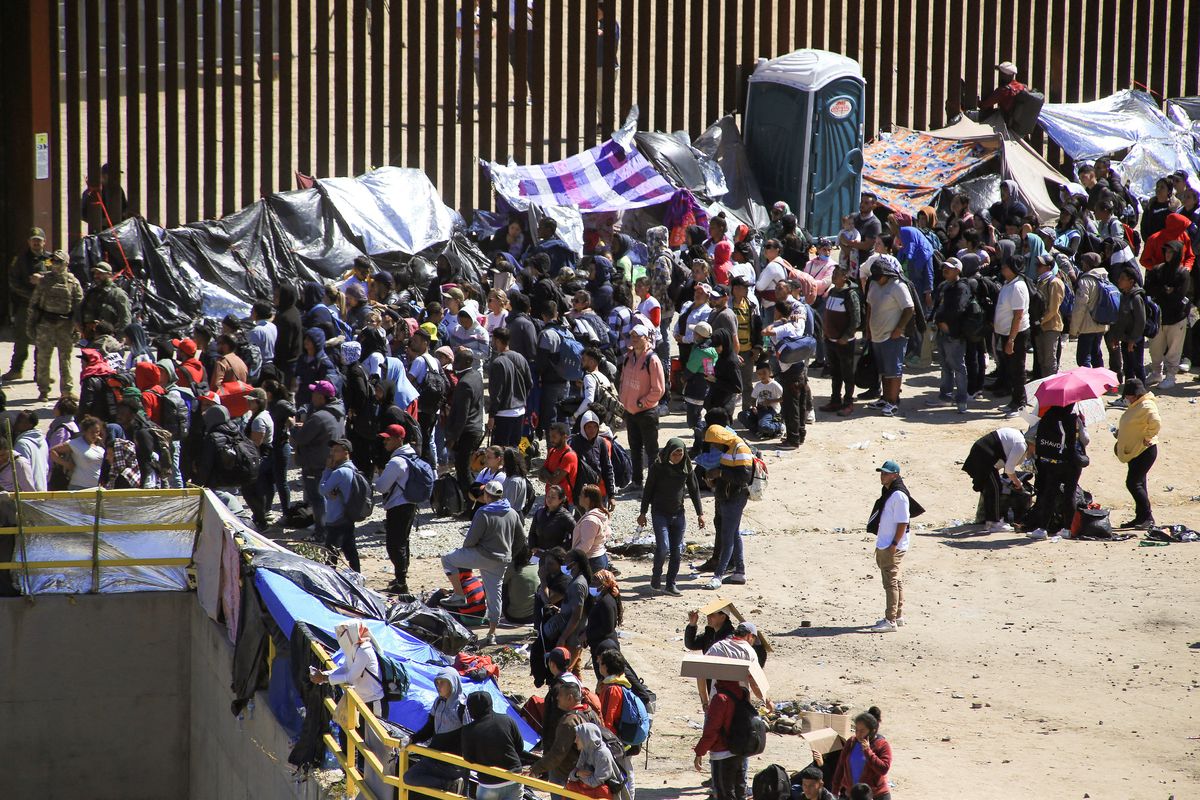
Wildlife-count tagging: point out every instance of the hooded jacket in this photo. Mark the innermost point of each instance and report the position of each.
(1131, 316)
(559, 252)
(1174, 230)
(719, 717)
(493, 529)
(443, 729)
(1087, 292)
(289, 340)
(145, 377)
(1167, 284)
(595, 765)
(310, 441)
(466, 406)
(523, 334)
(550, 529)
(310, 369)
(727, 371)
(736, 467)
(218, 427)
(600, 286)
(597, 453)
(108, 302)
(591, 532)
(668, 485)
(509, 382)
(491, 739)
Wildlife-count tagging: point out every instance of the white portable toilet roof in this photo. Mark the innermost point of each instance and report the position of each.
(808, 70)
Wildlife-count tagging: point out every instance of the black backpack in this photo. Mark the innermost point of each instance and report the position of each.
(772, 783)
(239, 458)
(251, 356)
(747, 735)
(584, 474)
(174, 415)
(431, 395)
(447, 498)
(359, 503)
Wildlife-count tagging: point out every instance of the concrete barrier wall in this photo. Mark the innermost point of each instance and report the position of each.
(94, 696)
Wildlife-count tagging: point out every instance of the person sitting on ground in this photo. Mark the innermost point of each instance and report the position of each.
(488, 548)
(568, 628)
(1001, 451)
(763, 420)
(865, 759)
(442, 731)
(812, 785)
(552, 523)
(520, 586)
(493, 470)
(492, 740)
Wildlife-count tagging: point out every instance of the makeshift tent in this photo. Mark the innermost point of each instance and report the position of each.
(908, 169)
(215, 267)
(1157, 144)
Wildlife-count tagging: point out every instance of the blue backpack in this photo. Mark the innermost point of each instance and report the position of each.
(1067, 306)
(418, 486)
(1108, 302)
(634, 726)
(568, 361)
(622, 464)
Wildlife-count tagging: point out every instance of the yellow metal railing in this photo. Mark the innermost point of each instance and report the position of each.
(95, 562)
(359, 715)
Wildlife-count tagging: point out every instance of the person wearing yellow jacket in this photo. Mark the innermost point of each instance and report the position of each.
(1137, 446)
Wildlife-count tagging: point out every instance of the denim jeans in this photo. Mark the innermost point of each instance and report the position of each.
(954, 367)
(1089, 353)
(729, 534)
(668, 544)
(316, 502)
(552, 394)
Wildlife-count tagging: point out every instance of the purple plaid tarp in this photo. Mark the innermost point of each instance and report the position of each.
(607, 177)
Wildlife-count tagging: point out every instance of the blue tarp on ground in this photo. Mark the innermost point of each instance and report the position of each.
(287, 604)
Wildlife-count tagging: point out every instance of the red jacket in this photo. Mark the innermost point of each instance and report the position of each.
(874, 774)
(564, 458)
(1175, 229)
(719, 716)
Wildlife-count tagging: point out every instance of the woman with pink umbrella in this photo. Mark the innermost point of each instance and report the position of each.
(1060, 441)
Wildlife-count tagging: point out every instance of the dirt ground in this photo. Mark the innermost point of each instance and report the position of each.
(1084, 656)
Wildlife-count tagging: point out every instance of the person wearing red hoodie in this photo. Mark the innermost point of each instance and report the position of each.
(1174, 230)
(190, 371)
(146, 377)
(867, 758)
(728, 770)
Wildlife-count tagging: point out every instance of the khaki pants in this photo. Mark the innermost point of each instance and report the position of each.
(51, 336)
(889, 568)
(1166, 350)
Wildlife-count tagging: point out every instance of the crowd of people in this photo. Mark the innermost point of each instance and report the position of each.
(464, 393)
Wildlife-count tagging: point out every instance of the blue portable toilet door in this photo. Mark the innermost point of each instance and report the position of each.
(835, 159)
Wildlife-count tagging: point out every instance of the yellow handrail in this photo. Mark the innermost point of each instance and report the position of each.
(108, 527)
(347, 759)
(111, 562)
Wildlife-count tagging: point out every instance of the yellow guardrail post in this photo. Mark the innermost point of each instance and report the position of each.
(96, 542)
(401, 769)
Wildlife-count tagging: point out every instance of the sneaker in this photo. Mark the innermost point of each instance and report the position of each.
(715, 583)
(1134, 523)
(1167, 382)
(1038, 534)
(1118, 403)
(811, 418)
(656, 585)
(13, 374)
(889, 410)
(1054, 538)
(707, 566)
(454, 602)
(830, 407)
(880, 403)
(884, 626)
(846, 410)
(397, 587)
(941, 399)
(737, 579)
(962, 408)
(1000, 526)
(1011, 412)
(43, 396)
(899, 622)
(1064, 533)
(671, 590)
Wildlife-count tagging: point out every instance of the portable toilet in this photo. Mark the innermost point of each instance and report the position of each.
(804, 135)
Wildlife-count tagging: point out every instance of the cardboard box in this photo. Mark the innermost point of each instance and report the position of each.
(716, 668)
(731, 611)
(824, 740)
(815, 721)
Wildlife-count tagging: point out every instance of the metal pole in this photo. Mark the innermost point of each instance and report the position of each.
(96, 542)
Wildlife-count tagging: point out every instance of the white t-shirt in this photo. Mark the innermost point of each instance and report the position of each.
(494, 321)
(895, 511)
(772, 274)
(648, 305)
(88, 459)
(266, 426)
(1013, 442)
(695, 317)
(767, 394)
(1014, 297)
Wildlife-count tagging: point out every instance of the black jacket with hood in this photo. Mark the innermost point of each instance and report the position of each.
(290, 338)
(310, 441)
(726, 372)
(490, 739)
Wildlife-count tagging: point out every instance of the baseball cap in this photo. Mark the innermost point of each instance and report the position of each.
(456, 293)
(719, 291)
(210, 396)
(60, 256)
(494, 488)
(746, 629)
(393, 432)
(1007, 67)
(343, 443)
(185, 346)
(702, 330)
(706, 288)
(103, 267)
(889, 466)
(738, 280)
(640, 330)
(323, 387)
(37, 233)
(952, 263)
(444, 352)
(430, 330)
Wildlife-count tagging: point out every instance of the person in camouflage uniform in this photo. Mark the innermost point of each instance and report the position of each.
(52, 312)
(23, 275)
(106, 301)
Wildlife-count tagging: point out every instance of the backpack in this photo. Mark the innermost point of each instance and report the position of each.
(1108, 301)
(584, 474)
(174, 415)
(431, 395)
(164, 463)
(758, 483)
(1037, 305)
(633, 728)
(795, 349)
(606, 404)
(359, 503)
(251, 356)
(1153, 317)
(446, 497)
(622, 464)
(1067, 306)
(530, 497)
(239, 458)
(568, 357)
(973, 322)
(772, 783)
(747, 734)
(418, 486)
(393, 677)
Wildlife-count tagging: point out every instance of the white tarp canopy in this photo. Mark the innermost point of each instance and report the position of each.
(1128, 119)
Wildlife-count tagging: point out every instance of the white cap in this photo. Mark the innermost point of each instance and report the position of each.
(494, 488)
(1008, 68)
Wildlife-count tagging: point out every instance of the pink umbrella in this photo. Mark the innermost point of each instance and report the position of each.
(1081, 383)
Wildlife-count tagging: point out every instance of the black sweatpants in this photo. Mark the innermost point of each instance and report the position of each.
(795, 391)
(840, 360)
(398, 528)
(1054, 485)
(1012, 367)
(1135, 482)
(643, 440)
